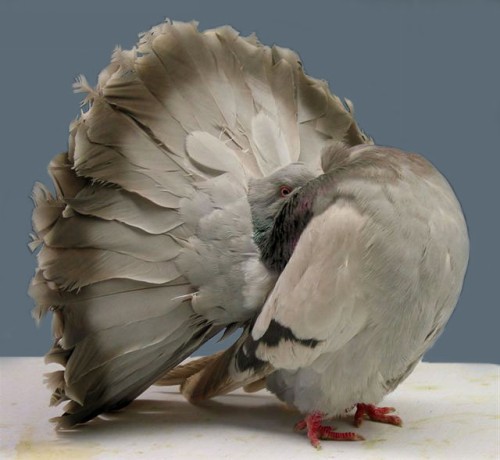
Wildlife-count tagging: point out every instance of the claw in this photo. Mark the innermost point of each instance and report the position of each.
(300, 425)
(316, 431)
(375, 414)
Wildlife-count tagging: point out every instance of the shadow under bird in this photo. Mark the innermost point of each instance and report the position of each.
(211, 185)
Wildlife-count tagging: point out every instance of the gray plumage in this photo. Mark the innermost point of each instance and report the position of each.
(147, 248)
(211, 184)
(374, 253)
(380, 268)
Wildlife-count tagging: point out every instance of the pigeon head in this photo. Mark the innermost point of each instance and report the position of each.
(269, 194)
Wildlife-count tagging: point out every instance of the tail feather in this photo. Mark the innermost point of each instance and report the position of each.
(255, 386)
(116, 204)
(121, 376)
(63, 177)
(75, 268)
(181, 373)
(94, 233)
(230, 370)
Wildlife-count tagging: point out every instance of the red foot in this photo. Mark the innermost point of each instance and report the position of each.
(376, 414)
(317, 431)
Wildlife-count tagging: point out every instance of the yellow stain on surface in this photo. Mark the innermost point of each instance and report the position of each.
(426, 387)
(27, 448)
(372, 443)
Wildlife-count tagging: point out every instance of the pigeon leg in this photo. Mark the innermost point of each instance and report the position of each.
(376, 414)
(316, 431)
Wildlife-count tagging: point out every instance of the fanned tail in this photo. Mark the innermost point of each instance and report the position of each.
(170, 135)
(119, 320)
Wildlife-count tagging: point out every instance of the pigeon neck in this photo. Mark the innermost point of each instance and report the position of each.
(278, 241)
(262, 229)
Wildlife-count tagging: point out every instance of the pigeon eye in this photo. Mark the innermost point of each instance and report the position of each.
(285, 190)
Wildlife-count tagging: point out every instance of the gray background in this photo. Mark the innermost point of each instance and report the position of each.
(423, 75)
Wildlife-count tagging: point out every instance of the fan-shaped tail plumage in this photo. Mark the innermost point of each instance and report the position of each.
(169, 137)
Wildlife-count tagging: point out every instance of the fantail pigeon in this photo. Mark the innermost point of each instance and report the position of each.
(209, 184)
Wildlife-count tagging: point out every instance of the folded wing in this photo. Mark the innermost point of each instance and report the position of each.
(313, 308)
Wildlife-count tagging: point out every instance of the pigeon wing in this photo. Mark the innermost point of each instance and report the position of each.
(313, 308)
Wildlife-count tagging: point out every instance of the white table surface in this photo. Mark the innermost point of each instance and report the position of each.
(448, 411)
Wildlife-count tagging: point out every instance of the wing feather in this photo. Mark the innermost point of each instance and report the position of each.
(315, 298)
